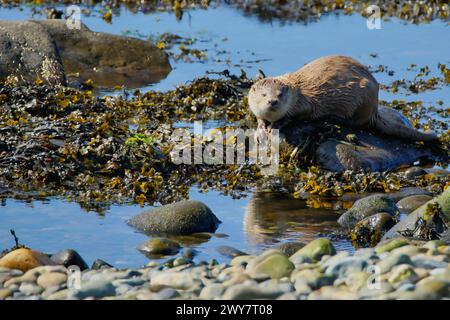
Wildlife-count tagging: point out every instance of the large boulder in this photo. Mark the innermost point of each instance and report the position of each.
(49, 50)
(342, 147)
(179, 218)
(25, 259)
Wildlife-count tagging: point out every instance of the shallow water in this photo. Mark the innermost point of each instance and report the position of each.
(256, 221)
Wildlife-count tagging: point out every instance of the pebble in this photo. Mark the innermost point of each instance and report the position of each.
(51, 279)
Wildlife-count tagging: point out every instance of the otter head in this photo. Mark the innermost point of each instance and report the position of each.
(269, 99)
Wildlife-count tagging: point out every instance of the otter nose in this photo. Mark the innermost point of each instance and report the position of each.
(273, 103)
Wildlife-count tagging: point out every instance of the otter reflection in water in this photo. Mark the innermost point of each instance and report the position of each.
(274, 217)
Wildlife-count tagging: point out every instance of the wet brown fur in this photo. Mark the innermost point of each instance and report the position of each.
(337, 86)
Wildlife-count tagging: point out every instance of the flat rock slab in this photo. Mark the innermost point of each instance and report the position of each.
(330, 147)
(48, 50)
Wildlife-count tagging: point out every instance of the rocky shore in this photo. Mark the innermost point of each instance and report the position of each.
(395, 270)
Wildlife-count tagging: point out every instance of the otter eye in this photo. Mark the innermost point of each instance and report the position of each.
(280, 94)
(263, 94)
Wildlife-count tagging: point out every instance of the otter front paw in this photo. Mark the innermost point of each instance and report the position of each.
(279, 124)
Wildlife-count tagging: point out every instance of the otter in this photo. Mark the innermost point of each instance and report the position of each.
(331, 86)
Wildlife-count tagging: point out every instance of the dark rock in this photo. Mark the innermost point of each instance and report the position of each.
(367, 207)
(230, 252)
(69, 257)
(327, 146)
(160, 246)
(289, 248)
(410, 221)
(414, 172)
(180, 218)
(370, 230)
(100, 264)
(49, 50)
(411, 203)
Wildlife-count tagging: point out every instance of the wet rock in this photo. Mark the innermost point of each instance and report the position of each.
(369, 230)
(409, 222)
(69, 257)
(212, 291)
(51, 279)
(160, 246)
(402, 273)
(411, 203)
(315, 250)
(366, 207)
(273, 264)
(414, 172)
(289, 248)
(100, 264)
(370, 152)
(107, 59)
(176, 280)
(391, 245)
(25, 259)
(180, 218)
(230, 252)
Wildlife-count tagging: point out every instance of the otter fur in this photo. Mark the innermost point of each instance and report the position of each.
(331, 86)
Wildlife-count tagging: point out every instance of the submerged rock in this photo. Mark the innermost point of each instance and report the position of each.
(25, 259)
(49, 50)
(367, 207)
(180, 218)
(230, 252)
(160, 246)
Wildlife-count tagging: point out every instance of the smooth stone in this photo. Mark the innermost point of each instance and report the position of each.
(250, 292)
(313, 278)
(50, 279)
(315, 250)
(432, 286)
(230, 252)
(275, 265)
(366, 207)
(180, 218)
(288, 296)
(346, 266)
(94, 289)
(30, 289)
(332, 293)
(407, 287)
(392, 260)
(375, 290)
(410, 250)
(409, 222)
(24, 259)
(180, 261)
(241, 260)
(59, 295)
(69, 257)
(356, 281)
(5, 293)
(166, 294)
(50, 291)
(212, 291)
(421, 261)
(99, 264)
(176, 280)
(378, 222)
(391, 245)
(411, 203)
(414, 172)
(433, 244)
(402, 273)
(160, 246)
(189, 253)
(289, 248)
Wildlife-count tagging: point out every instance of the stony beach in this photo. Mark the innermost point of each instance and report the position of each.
(395, 270)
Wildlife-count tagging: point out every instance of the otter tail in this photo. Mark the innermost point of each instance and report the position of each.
(393, 123)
